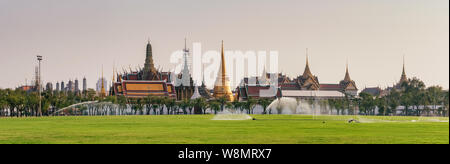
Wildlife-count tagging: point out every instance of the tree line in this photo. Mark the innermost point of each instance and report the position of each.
(415, 98)
(410, 98)
(412, 95)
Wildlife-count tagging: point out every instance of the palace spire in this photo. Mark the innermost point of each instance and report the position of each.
(307, 71)
(347, 75)
(403, 78)
(186, 77)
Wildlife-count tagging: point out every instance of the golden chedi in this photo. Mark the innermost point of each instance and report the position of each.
(222, 86)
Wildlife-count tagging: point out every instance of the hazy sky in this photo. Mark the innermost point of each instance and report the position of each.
(77, 36)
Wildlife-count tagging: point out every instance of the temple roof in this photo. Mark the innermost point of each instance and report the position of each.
(333, 87)
(290, 86)
(318, 94)
(375, 91)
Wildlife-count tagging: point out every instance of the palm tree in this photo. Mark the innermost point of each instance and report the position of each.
(160, 104)
(230, 106)
(237, 105)
(249, 105)
(190, 106)
(222, 101)
(264, 102)
(140, 105)
(148, 104)
(122, 104)
(184, 105)
(170, 104)
(200, 104)
(214, 106)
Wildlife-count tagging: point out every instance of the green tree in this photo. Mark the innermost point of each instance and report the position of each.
(393, 101)
(435, 95)
(170, 104)
(237, 105)
(214, 106)
(264, 102)
(184, 105)
(249, 105)
(201, 104)
(367, 103)
(222, 101)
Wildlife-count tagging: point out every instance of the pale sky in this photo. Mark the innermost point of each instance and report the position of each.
(77, 37)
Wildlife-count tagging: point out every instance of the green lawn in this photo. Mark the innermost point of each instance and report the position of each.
(200, 129)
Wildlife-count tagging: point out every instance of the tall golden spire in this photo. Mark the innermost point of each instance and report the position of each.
(222, 86)
(114, 74)
(102, 92)
(224, 70)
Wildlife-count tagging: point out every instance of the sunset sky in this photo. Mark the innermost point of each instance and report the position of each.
(77, 37)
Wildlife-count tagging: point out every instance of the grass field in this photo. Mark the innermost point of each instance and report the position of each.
(200, 129)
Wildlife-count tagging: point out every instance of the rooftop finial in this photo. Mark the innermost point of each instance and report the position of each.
(347, 75)
(307, 71)
(346, 65)
(403, 77)
(403, 64)
(307, 62)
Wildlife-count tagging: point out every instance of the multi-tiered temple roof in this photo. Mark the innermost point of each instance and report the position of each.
(145, 82)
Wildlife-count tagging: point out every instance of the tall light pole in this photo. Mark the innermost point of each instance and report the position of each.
(39, 58)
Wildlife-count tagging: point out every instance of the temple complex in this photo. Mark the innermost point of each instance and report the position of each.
(305, 86)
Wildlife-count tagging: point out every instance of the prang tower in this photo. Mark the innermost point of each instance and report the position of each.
(149, 72)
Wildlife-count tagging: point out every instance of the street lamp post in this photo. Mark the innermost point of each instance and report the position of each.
(39, 58)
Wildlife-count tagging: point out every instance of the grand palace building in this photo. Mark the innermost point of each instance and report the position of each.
(305, 86)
